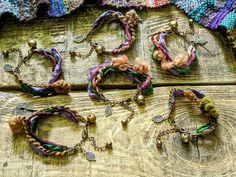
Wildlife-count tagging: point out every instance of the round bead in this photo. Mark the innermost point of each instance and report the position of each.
(208, 107)
(158, 143)
(99, 49)
(109, 144)
(91, 119)
(214, 113)
(32, 43)
(72, 53)
(185, 137)
(141, 100)
(190, 22)
(5, 53)
(124, 122)
(173, 24)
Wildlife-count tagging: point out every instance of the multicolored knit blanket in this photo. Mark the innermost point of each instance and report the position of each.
(27, 9)
(210, 13)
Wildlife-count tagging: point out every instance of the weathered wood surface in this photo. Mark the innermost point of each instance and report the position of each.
(134, 152)
(60, 32)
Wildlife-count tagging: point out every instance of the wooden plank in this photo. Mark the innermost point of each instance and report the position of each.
(60, 32)
(134, 152)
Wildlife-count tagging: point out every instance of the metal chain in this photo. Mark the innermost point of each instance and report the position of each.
(22, 60)
(85, 138)
(125, 105)
(92, 48)
(169, 118)
(166, 132)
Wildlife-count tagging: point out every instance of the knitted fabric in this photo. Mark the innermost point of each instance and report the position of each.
(134, 3)
(27, 9)
(59, 8)
(210, 13)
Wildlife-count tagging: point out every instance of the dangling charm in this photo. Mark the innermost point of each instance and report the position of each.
(91, 119)
(90, 156)
(207, 106)
(108, 110)
(158, 143)
(141, 100)
(99, 48)
(185, 137)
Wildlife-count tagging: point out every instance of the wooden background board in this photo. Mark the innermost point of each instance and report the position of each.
(60, 32)
(134, 152)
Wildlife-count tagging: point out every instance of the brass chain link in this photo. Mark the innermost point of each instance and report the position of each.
(92, 48)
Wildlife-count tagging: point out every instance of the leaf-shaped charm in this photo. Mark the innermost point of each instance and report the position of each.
(90, 156)
(8, 68)
(108, 110)
(201, 41)
(157, 119)
(79, 39)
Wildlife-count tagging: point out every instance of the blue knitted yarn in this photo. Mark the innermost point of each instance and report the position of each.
(57, 8)
(230, 20)
(210, 13)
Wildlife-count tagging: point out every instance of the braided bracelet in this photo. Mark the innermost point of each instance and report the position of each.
(128, 22)
(206, 105)
(182, 64)
(46, 148)
(55, 84)
(137, 73)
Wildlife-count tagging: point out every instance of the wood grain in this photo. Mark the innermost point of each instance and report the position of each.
(59, 33)
(134, 152)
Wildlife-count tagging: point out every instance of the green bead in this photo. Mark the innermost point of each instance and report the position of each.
(214, 113)
(203, 128)
(52, 147)
(206, 100)
(208, 107)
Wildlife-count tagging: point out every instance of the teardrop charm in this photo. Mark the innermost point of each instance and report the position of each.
(158, 119)
(90, 156)
(108, 110)
(8, 68)
(201, 41)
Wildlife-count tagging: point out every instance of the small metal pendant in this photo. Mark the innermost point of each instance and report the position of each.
(158, 119)
(90, 156)
(108, 110)
(201, 41)
(79, 39)
(8, 68)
